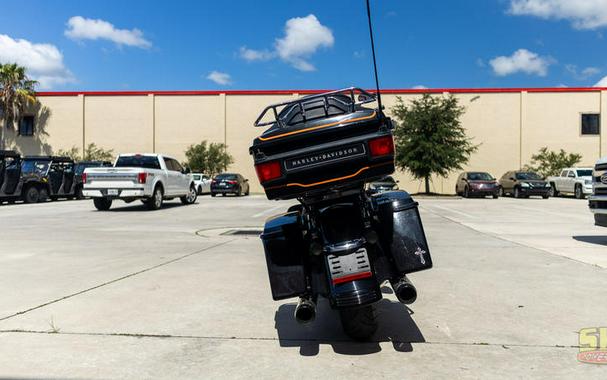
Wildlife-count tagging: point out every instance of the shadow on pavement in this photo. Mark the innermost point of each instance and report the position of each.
(138, 206)
(394, 319)
(600, 240)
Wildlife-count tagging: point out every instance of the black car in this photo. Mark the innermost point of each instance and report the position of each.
(480, 184)
(386, 183)
(523, 184)
(79, 170)
(229, 183)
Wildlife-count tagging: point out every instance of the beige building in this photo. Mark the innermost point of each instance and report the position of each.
(510, 124)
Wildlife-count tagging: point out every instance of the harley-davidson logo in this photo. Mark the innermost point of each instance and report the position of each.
(325, 157)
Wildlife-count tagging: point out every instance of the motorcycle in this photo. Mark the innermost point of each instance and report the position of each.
(341, 242)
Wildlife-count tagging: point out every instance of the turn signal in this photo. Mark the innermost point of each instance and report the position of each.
(142, 177)
(268, 171)
(382, 146)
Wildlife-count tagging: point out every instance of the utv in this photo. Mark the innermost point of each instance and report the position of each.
(79, 170)
(45, 177)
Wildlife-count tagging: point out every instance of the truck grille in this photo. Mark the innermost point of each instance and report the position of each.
(600, 167)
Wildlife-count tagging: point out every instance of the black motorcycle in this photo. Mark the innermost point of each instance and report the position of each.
(340, 242)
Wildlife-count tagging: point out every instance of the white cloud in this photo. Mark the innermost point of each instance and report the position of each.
(44, 62)
(303, 37)
(584, 73)
(220, 78)
(255, 55)
(601, 83)
(583, 14)
(523, 61)
(80, 28)
(419, 87)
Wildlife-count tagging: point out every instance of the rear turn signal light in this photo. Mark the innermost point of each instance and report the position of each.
(268, 171)
(142, 177)
(83, 177)
(383, 146)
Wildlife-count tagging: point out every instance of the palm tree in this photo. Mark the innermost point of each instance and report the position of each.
(16, 93)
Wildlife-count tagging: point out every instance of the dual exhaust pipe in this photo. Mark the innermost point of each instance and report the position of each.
(405, 291)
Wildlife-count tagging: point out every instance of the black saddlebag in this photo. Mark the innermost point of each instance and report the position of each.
(285, 249)
(322, 142)
(401, 233)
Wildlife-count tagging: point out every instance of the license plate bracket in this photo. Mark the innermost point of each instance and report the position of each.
(350, 267)
(112, 192)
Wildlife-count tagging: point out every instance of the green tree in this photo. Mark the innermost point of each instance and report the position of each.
(91, 153)
(547, 162)
(16, 93)
(429, 137)
(210, 158)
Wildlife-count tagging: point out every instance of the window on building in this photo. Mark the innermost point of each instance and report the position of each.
(591, 124)
(26, 126)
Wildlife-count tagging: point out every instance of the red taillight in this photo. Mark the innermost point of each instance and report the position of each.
(268, 171)
(142, 177)
(232, 182)
(83, 177)
(382, 146)
(213, 181)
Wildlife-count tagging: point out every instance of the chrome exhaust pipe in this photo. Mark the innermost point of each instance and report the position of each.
(305, 311)
(405, 290)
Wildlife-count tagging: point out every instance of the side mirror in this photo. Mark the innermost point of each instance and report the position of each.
(512, 179)
(186, 171)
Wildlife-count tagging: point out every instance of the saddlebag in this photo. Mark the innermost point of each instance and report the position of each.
(401, 233)
(285, 249)
(322, 142)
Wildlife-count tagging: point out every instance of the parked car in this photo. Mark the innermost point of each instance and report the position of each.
(576, 181)
(151, 178)
(38, 178)
(79, 170)
(203, 183)
(229, 183)
(477, 184)
(384, 184)
(10, 172)
(523, 184)
(597, 202)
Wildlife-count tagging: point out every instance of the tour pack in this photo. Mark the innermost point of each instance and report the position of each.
(322, 142)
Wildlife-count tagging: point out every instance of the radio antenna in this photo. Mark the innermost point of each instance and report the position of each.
(374, 60)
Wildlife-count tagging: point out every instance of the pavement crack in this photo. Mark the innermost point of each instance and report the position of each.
(272, 339)
(115, 280)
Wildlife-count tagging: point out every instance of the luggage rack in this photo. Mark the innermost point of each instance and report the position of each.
(363, 97)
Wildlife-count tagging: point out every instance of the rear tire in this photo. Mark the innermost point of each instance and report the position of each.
(155, 203)
(191, 197)
(102, 204)
(517, 192)
(213, 195)
(32, 195)
(359, 323)
(495, 196)
(501, 192)
(466, 192)
(43, 197)
(579, 194)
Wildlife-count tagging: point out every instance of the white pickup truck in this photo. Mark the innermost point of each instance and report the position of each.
(151, 178)
(598, 200)
(576, 181)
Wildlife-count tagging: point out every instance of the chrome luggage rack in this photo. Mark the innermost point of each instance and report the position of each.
(363, 97)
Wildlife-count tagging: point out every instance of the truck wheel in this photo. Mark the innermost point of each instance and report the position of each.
(190, 198)
(579, 194)
(43, 197)
(155, 202)
(102, 204)
(553, 191)
(31, 195)
(359, 323)
(466, 192)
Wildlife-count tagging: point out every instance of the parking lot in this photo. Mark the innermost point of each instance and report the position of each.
(183, 293)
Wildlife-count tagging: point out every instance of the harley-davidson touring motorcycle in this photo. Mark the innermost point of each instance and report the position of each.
(340, 242)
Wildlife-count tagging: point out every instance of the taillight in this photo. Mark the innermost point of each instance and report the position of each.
(142, 177)
(232, 182)
(382, 146)
(268, 171)
(83, 177)
(213, 181)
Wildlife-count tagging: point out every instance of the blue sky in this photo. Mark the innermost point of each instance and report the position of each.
(312, 44)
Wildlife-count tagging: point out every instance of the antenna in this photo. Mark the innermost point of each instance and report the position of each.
(374, 61)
